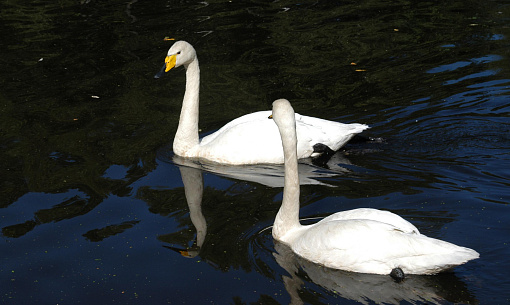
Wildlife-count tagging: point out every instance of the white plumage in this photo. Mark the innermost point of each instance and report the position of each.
(360, 240)
(249, 139)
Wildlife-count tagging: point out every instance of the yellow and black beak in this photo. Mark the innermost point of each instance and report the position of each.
(167, 66)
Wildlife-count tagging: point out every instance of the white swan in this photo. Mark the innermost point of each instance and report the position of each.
(249, 139)
(360, 240)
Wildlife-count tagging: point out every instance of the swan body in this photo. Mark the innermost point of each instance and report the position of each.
(249, 139)
(360, 240)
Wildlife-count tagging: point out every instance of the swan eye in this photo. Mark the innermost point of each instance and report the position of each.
(179, 52)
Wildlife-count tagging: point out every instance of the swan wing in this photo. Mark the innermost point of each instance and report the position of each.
(330, 133)
(374, 247)
(249, 139)
(253, 138)
(255, 118)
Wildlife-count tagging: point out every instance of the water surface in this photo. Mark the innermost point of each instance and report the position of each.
(93, 205)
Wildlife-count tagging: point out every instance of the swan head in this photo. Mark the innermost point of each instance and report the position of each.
(180, 53)
(283, 114)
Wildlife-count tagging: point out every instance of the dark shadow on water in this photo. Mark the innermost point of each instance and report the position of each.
(98, 235)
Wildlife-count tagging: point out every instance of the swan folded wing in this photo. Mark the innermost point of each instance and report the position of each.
(259, 117)
(330, 133)
(253, 138)
(376, 215)
(373, 247)
(250, 139)
(351, 245)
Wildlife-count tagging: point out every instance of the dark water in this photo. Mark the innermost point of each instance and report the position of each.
(93, 206)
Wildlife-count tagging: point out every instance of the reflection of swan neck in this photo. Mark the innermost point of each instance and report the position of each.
(186, 136)
(193, 190)
(198, 220)
(288, 215)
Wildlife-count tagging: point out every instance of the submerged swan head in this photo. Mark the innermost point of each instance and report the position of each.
(180, 53)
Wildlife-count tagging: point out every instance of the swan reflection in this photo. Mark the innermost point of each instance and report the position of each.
(266, 174)
(193, 190)
(368, 288)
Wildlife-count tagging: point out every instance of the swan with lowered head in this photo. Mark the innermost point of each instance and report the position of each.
(249, 139)
(360, 240)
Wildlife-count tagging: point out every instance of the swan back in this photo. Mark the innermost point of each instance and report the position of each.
(386, 217)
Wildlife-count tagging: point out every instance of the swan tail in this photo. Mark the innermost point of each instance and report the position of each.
(347, 132)
(443, 259)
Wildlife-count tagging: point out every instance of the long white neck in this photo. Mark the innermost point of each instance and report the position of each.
(186, 136)
(287, 218)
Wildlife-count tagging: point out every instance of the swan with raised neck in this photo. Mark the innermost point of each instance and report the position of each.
(249, 139)
(360, 240)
